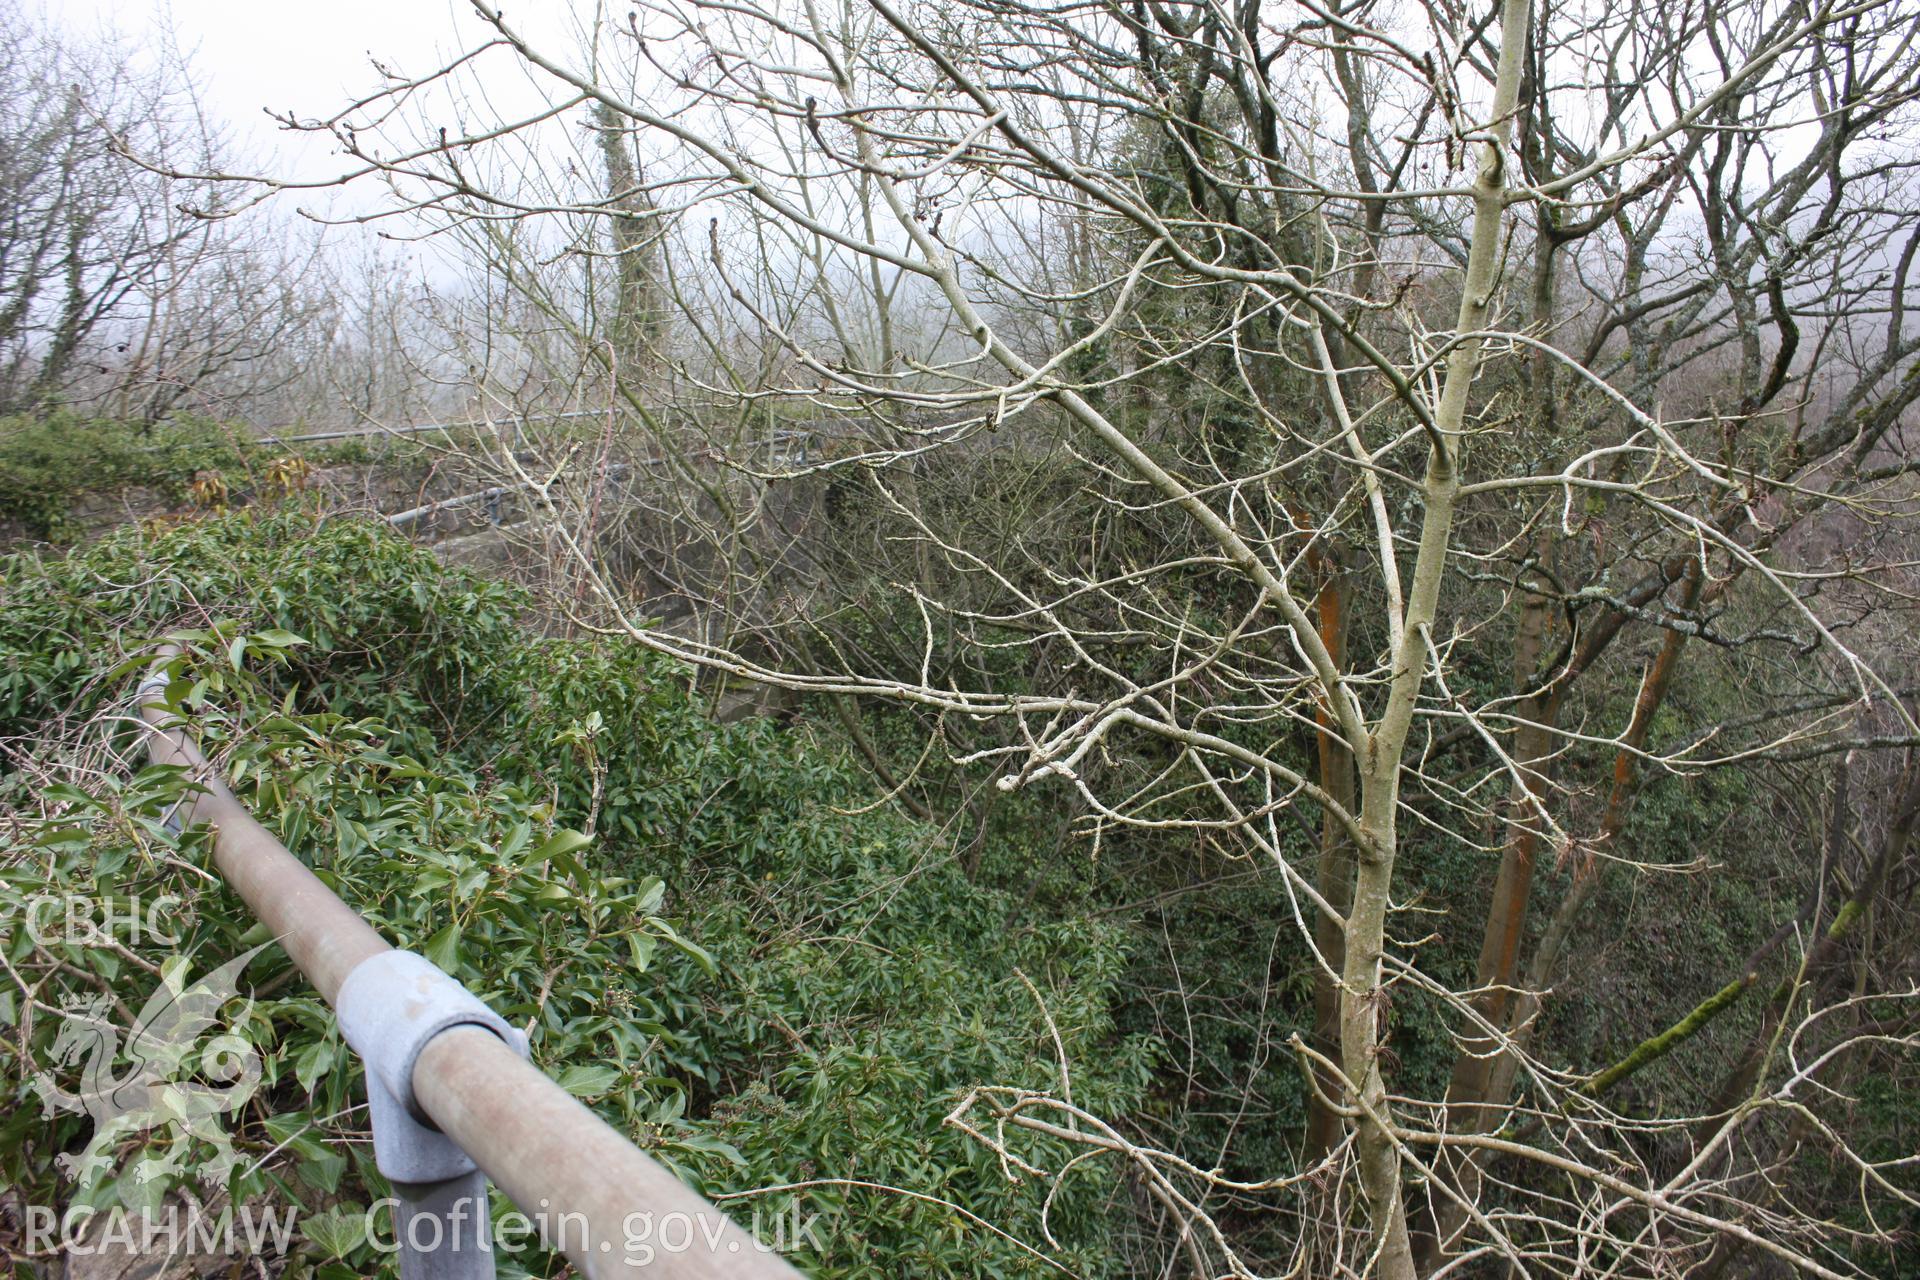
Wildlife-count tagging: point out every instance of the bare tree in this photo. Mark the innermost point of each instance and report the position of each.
(1342, 341)
(122, 290)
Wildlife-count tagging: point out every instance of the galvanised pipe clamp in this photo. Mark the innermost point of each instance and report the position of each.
(389, 1007)
(154, 690)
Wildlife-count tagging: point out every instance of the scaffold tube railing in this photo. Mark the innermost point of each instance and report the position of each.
(454, 1098)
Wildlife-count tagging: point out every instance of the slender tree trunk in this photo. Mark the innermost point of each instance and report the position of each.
(1363, 1005)
(1589, 869)
(1513, 885)
(1538, 705)
(1336, 869)
(1362, 1013)
(637, 307)
(1469, 1101)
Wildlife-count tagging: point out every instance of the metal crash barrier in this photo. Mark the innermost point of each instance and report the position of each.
(453, 1097)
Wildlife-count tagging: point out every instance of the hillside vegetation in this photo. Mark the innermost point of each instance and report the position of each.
(1331, 593)
(711, 932)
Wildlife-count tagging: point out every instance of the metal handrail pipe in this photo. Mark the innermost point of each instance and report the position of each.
(611, 1208)
(401, 519)
(418, 428)
(324, 937)
(587, 1190)
(355, 433)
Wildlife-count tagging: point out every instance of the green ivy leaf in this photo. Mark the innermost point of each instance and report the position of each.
(338, 1231)
(444, 948)
(313, 1062)
(701, 956)
(323, 1172)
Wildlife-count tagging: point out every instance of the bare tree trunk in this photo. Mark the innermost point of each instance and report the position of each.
(638, 308)
(1336, 868)
(1590, 867)
(1380, 774)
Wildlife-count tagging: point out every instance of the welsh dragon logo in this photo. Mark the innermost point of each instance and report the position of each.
(169, 1083)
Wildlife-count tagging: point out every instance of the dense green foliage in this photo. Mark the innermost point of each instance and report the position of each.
(48, 461)
(764, 977)
(751, 968)
(1220, 975)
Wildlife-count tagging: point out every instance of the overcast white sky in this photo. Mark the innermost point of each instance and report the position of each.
(310, 58)
(253, 54)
